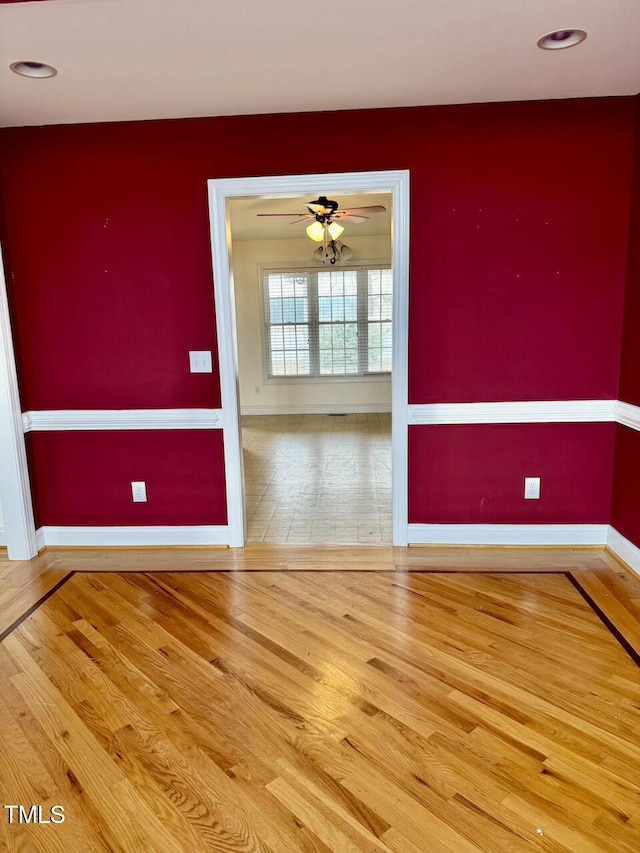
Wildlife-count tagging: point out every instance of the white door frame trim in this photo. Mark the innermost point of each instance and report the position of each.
(15, 491)
(287, 186)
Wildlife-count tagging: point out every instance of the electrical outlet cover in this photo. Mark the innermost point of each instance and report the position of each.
(139, 492)
(532, 488)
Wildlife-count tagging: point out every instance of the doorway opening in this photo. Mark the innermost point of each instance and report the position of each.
(314, 346)
(313, 360)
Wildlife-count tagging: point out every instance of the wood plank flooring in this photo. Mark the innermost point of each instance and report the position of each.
(259, 557)
(615, 597)
(24, 584)
(324, 711)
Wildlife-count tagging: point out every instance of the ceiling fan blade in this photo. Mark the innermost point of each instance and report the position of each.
(304, 219)
(373, 208)
(347, 217)
(281, 214)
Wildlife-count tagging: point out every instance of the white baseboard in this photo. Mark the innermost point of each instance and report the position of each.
(319, 409)
(624, 549)
(508, 534)
(40, 539)
(419, 534)
(112, 536)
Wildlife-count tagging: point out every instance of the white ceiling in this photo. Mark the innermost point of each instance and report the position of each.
(246, 225)
(143, 59)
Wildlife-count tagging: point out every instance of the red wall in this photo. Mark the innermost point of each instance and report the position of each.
(517, 261)
(84, 478)
(625, 516)
(474, 473)
(518, 248)
(626, 504)
(112, 271)
(630, 363)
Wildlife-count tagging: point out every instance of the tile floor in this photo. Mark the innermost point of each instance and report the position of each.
(318, 478)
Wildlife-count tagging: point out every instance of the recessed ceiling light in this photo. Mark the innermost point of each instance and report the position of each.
(561, 38)
(33, 69)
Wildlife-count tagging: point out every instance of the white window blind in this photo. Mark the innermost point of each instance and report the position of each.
(328, 322)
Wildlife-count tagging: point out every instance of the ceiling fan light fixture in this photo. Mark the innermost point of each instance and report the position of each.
(335, 230)
(559, 39)
(27, 68)
(316, 231)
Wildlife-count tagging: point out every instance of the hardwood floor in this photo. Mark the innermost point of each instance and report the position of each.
(24, 584)
(615, 597)
(260, 557)
(327, 711)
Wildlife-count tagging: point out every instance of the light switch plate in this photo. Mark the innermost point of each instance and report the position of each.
(200, 361)
(532, 488)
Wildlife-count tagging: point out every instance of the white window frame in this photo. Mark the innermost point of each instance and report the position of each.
(362, 320)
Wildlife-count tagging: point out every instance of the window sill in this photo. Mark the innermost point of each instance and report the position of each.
(313, 380)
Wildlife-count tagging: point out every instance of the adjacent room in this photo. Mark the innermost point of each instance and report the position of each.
(314, 335)
(319, 426)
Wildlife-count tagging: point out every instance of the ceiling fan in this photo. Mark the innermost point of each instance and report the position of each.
(323, 213)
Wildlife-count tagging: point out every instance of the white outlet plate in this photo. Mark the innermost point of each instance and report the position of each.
(200, 361)
(139, 492)
(532, 488)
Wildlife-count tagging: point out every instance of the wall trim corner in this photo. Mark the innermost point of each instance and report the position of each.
(627, 414)
(624, 550)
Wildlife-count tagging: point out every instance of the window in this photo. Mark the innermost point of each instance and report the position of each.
(328, 322)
